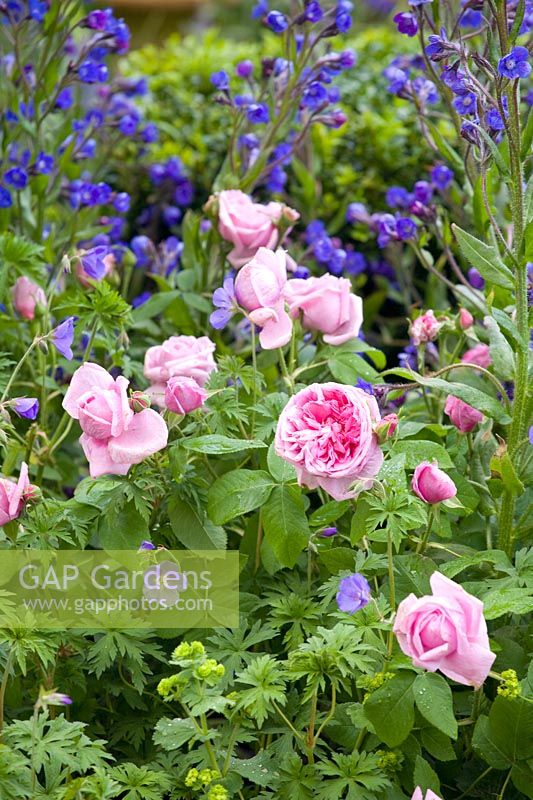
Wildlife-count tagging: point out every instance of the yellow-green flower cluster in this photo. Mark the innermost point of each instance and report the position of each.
(510, 686)
(217, 792)
(388, 760)
(200, 778)
(371, 683)
(171, 688)
(187, 651)
(209, 670)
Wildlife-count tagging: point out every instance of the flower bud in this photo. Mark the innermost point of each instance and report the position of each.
(386, 427)
(466, 320)
(431, 484)
(139, 401)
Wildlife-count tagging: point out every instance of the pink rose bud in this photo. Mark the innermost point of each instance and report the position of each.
(429, 795)
(386, 428)
(463, 416)
(425, 328)
(431, 484)
(183, 395)
(326, 304)
(12, 495)
(247, 225)
(445, 631)
(478, 355)
(139, 401)
(32, 494)
(466, 320)
(27, 296)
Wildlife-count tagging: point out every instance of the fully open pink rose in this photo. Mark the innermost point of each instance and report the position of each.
(26, 295)
(179, 356)
(463, 416)
(478, 355)
(445, 631)
(247, 225)
(183, 395)
(326, 431)
(419, 795)
(12, 495)
(113, 437)
(425, 328)
(328, 305)
(431, 484)
(259, 288)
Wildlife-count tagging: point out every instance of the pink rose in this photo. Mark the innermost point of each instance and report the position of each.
(326, 431)
(259, 289)
(327, 305)
(418, 795)
(26, 295)
(445, 631)
(113, 437)
(466, 320)
(12, 495)
(183, 395)
(179, 356)
(463, 416)
(247, 225)
(386, 427)
(425, 328)
(84, 278)
(431, 484)
(478, 355)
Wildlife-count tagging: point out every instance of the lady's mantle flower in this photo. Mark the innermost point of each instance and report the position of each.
(354, 593)
(224, 300)
(515, 64)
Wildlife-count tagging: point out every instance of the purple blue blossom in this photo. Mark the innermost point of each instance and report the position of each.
(225, 302)
(406, 23)
(277, 21)
(62, 337)
(26, 407)
(515, 64)
(354, 593)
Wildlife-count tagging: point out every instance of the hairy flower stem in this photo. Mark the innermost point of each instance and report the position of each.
(3, 686)
(519, 413)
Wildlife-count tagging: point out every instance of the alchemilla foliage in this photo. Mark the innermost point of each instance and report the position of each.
(273, 297)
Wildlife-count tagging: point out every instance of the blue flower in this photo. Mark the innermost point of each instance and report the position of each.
(471, 18)
(93, 72)
(43, 164)
(146, 545)
(313, 11)
(301, 272)
(122, 202)
(224, 300)
(5, 198)
(143, 250)
(277, 21)
(62, 337)
(475, 278)
(465, 103)
(442, 176)
(328, 532)
(93, 262)
(150, 133)
(365, 386)
(16, 177)
(26, 407)
(64, 99)
(354, 593)
(260, 9)
(515, 64)
(258, 113)
(406, 23)
(398, 197)
(141, 298)
(405, 228)
(220, 80)
(314, 95)
(423, 191)
(244, 69)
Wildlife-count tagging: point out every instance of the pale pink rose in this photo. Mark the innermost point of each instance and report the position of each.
(463, 416)
(425, 328)
(26, 295)
(466, 320)
(418, 795)
(259, 289)
(12, 495)
(431, 484)
(113, 437)
(478, 355)
(179, 356)
(183, 395)
(326, 431)
(85, 279)
(248, 225)
(445, 631)
(328, 305)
